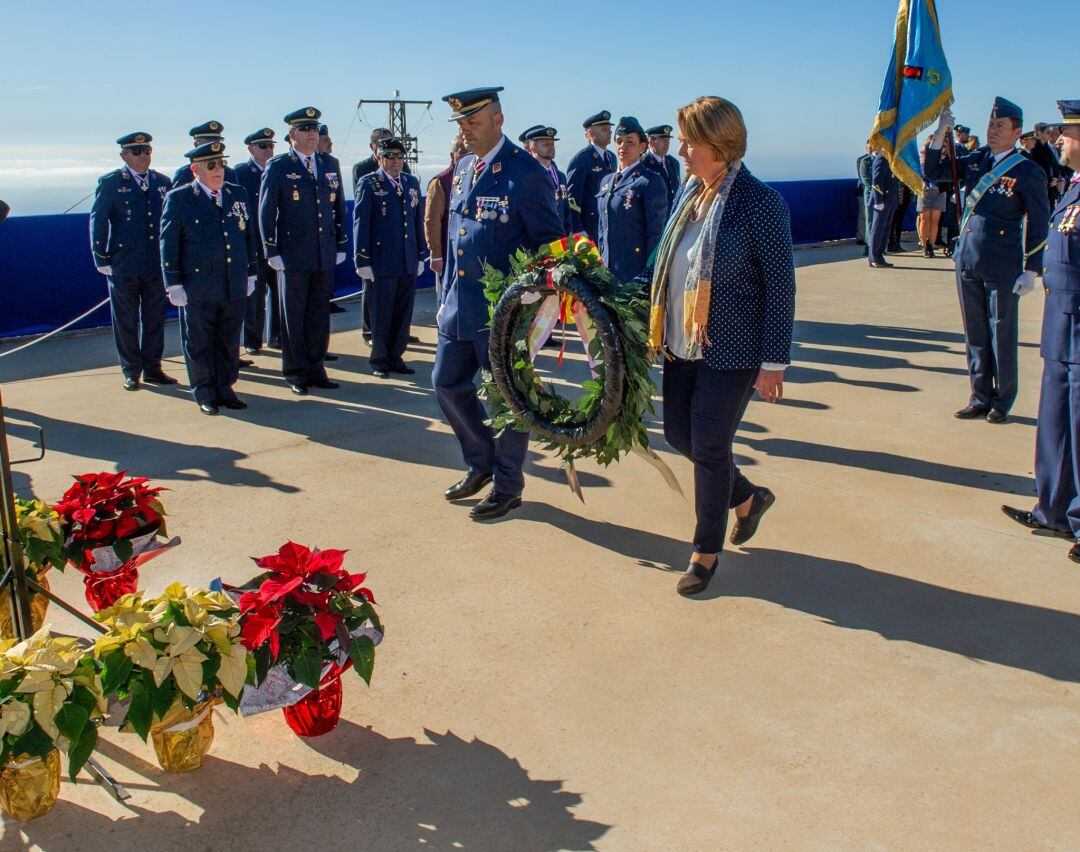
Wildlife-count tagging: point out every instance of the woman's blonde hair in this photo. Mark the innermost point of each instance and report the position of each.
(714, 123)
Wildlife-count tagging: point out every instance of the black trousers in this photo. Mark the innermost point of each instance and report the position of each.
(702, 410)
(137, 305)
(991, 327)
(305, 324)
(210, 333)
(261, 304)
(391, 304)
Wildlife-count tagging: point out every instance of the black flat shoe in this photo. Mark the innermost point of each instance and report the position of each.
(246, 362)
(252, 350)
(696, 579)
(404, 369)
(299, 390)
(473, 483)
(209, 408)
(495, 505)
(233, 404)
(1074, 552)
(159, 378)
(335, 308)
(131, 384)
(325, 384)
(882, 265)
(971, 412)
(413, 338)
(745, 528)
(380, 373)
(996, 416)
(1028, 519)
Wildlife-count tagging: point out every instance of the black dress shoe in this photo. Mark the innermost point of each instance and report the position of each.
(159, 378)
(495, 505)
(413, 338)
(299, 390)
(274, 343)
(404, 369)
(330, 357)
(233, 404)
(325, 384)
(472, 484)
(252, 350)
(380, 373)
(246, 362)
(696, 579)
(995, 415)
(971, 412)
(884, 264)
(209, 408)
(335, 308)
(745, 528)
(1074, 552)
(1028, 519)
(367, 336)
(131, 383)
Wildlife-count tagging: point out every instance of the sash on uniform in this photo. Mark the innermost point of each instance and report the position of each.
(986, 182)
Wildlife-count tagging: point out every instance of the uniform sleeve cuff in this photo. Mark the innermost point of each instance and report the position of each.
(769, 365)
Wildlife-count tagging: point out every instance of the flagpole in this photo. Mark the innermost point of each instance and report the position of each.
(956, 181)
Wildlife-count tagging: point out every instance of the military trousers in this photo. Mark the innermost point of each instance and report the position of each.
(305, 324)
(991, 330)
(262, 318)
(210, 334)
(391, 304)
(456, 364)
(1057, 448)
(137, 306)
(880, 229)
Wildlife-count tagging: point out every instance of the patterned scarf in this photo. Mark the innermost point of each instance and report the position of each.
(702, 257)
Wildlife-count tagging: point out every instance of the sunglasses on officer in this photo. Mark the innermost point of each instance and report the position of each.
(304, 128)
(211, 165)
(139, 150)
(264, 146)
(391, 155)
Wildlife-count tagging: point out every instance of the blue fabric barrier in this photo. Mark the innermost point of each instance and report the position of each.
(47, 276)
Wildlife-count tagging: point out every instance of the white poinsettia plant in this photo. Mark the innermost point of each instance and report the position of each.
(181, 647)
(50, 695)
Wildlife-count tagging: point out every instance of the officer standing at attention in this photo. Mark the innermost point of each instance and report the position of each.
(208, 131)
(302, 220)
(210, 260)
(1057, 435)
(585, 172)
(263, 301)
(501, 201)
(998, 256)
(661, 161)
(388, 236)
(633, 206)
(885, 191)
(124, 226)
(540, 142)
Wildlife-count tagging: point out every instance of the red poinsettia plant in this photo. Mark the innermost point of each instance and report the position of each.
(108, 510)
(306, 611)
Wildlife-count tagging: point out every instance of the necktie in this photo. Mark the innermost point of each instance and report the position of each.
(216, 196)
(143, 182)
(310, 163)
(479, 167)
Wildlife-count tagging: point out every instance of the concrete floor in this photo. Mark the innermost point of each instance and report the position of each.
(892, 664)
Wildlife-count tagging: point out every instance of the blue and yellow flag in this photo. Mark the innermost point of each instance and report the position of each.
(918, 87)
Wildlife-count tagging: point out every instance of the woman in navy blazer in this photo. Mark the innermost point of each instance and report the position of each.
(722, 310)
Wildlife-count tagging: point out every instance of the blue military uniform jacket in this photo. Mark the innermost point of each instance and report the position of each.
(209, 250)
(583, 176)
(633, 211)
(884, 184)
(249, 176)
(303, 219)
(1061, 278)
(125, 223)
(994, 245)
(388, 225)
(184, 176)
(668, 170)
(510, 206)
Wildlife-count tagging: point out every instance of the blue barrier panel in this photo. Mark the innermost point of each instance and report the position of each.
(47, 276)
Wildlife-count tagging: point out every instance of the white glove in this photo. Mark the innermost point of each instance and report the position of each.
(339, 258)
(276, 262)
(438, 315)
(879, 206)
(366, 272)
(177, 295)
(251, 284)
(944, 124)
(1025, 283)
(420, 269)
(105, 270)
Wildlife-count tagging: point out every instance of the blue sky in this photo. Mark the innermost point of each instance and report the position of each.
(806, 76)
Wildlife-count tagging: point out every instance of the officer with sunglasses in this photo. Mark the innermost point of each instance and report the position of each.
(125, 223)
(262, 303)
(302, 219)
(208, 131)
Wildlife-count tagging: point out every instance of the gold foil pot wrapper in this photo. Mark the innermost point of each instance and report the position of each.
(29, 786)
(184, 736)
(38, 605)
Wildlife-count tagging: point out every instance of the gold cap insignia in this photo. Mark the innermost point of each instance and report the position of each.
(140, 138)
(214, 125)
(216, 146)
(455, 104)
(267, 131)
(310, 112)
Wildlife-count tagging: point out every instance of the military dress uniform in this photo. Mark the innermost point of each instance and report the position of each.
(668, 167)
(208, 248)
(558, 179)
(633, 211)
(302, 220)
(885, 190)
(124, 238)
(498, 205)
(586, 170)
(208, 131)
(994, 247)
(262, 304)
(388, 239)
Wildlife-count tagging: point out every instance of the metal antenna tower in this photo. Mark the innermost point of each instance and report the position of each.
(397, 124)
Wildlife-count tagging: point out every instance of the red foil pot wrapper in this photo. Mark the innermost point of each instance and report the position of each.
(318, 712)
(106, 588)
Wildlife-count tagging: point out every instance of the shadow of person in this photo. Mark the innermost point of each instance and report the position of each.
(445, 793)
(889, 338)
(845, 594)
